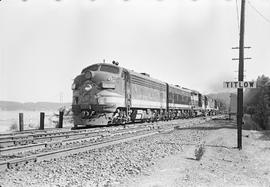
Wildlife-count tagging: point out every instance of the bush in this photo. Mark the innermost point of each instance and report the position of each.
(256, 102)
(199, 151)
(13, 127)
(33, 126)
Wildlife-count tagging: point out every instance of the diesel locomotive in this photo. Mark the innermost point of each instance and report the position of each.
(106, 94)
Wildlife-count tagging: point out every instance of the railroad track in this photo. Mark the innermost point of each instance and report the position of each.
(66, 140)
(58, 149)
(42, 136)
(15, 156)
(37, 136)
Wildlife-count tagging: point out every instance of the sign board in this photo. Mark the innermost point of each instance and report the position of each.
(239, 84)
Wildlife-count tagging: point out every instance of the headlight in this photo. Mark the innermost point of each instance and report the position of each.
(88, 75)
(102, 100)
(107, 85)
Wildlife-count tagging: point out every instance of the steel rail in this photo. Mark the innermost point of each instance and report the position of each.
(28, 132)
(36, 138)
(42, 137)
(56, 136)
(67, 151)
(36, 132)
(110, 138)
(8, 151)
(22, 139)
(35, 135)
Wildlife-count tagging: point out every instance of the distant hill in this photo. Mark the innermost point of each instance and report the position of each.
(31, 106)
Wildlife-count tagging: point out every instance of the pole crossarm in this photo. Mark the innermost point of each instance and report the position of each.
(248, 47)
(248, 58)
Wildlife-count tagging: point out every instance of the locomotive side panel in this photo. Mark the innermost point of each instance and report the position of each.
(211, 104)
(203, 102)
(195, 99)
(147, 93)
(179, 98)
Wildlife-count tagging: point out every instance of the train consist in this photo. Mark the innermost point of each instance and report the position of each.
(106, 94)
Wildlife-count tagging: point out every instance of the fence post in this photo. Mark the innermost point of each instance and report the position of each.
(21, 121)
(42, 115)
(61, 114)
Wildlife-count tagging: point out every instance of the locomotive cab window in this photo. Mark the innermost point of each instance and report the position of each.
(91, 68)
(109, 69)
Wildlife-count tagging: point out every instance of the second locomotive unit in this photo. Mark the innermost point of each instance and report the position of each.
(109, 94)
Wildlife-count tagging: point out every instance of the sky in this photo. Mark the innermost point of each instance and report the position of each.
(44, 44)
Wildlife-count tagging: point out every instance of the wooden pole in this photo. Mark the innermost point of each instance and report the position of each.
(61, 114)
(240, 77)
(42, 116)
(21, 121)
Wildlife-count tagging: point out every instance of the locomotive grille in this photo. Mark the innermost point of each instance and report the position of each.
(76, 109)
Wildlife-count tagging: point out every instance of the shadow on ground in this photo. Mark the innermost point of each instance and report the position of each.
(220, 124)
(189, 158)
(209, 145)
(265, 135)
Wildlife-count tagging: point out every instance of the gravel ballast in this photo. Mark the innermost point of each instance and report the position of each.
(112, 165)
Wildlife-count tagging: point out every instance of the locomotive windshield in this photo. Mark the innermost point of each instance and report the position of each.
(91, 68)
(110, 69)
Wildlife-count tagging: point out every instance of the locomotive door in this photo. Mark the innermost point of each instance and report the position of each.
(127, 89)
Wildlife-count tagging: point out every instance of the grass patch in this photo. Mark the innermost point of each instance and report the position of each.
(13, 127)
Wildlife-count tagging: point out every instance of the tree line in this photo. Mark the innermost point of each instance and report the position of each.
(257, 102)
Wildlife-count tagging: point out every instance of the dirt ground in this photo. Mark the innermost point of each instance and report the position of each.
(222, 164)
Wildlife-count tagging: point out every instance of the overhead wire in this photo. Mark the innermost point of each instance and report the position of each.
(258, 12)
(237, 13)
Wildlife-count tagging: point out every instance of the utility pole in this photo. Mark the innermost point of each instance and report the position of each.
(61, 98)
(240, 77)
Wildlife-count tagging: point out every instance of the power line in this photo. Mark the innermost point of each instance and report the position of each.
(237, 12)
(258, 12)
